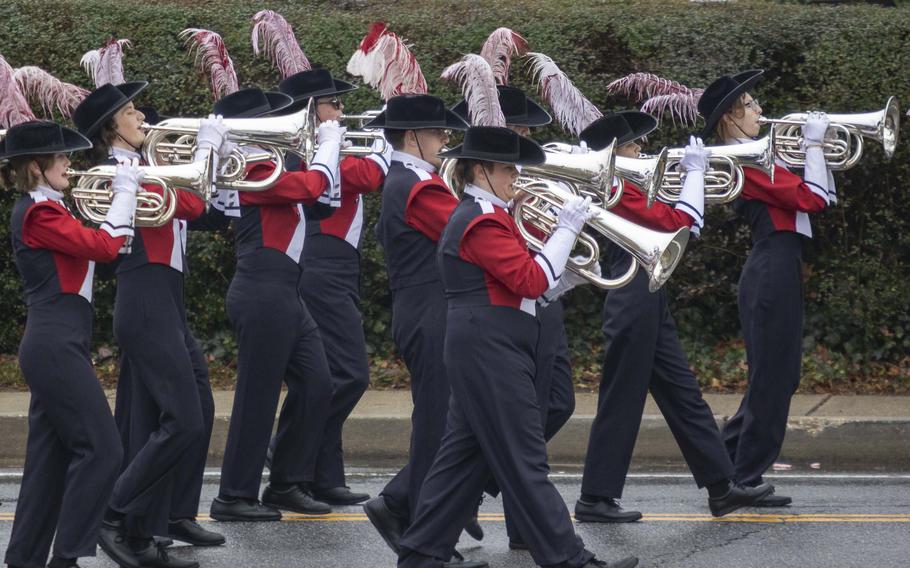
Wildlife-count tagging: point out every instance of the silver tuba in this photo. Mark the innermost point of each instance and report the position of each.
(93, 195)
(844, 144)
(724, 176)
(658, 253)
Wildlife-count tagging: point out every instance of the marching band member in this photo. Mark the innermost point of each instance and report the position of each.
(770, 286)
(330, 284)
(643, 352)
(492, 283)
(73, 454)
(163, 357)
(416, 204)
(554, 384)
(278, 341)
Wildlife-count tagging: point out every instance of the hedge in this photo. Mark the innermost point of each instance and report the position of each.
(839, 58)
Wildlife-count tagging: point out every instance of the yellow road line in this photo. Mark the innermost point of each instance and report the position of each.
(652, 517)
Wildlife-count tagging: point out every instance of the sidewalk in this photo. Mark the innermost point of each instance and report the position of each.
(836, 432)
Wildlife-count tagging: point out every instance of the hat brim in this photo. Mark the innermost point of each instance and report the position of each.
(130, 90)
(529, 154)
(300, 101)
(451, 121)
(640, 123)
(278, 101)
(537, 115)
(73, 141)
(747, 80)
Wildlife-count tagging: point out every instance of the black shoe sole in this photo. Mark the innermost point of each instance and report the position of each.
(782, 502)
(302, 511)
(242, 519)
(513, 545)
(340, 503)
(586, 518)
(730, 508)
(200, 542)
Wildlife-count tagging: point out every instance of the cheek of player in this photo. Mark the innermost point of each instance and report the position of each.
(55, 174)
(328, 108)
(629, 150)
(499, 177)
(430, 142)
(128, 122)
(519, 129)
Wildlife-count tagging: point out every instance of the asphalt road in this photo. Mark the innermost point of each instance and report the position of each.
(836, 521)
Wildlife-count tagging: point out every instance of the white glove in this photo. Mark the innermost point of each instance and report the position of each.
(692, 197)
(695, 156)
(570, 279)
(815, 128)
(574, 213)
(227, 148)
(330, 132)
(212, 132)
(382, 154)
(127, 177)
(120, 217)
(582, 148)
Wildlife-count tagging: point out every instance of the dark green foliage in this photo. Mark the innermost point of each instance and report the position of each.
(845, 58)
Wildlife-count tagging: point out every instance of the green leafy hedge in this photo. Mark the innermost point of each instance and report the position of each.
(836, 58)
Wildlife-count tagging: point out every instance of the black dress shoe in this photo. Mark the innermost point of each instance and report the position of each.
(156, 556)
(606, 510)
(459, 561)
(515, 544)
(189, 531)
(474, 529)
(772, 500)
(389, 525)
(340, 496)
(242, 510)
(737, 497)
(60, 563)
(627, 562)
(294, 499)
(113, 542)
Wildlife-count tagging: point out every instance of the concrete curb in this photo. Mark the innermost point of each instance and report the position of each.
(820, 431)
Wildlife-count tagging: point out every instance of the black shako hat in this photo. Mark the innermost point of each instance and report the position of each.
(41, 137)
(413, 112)
(517, 108)
(497, 144)
(721, 94)
(151, 114)
(251, 103)
(305, 85)
(102, 103)
(624, 127)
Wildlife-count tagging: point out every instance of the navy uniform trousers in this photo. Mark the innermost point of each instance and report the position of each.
(278, 341)
(419, 331)
(330, 287)
(169, 428)
(494, 429)
(137, 417)
(73, 454)
(553, 380)
(771, 314)
(642, 353)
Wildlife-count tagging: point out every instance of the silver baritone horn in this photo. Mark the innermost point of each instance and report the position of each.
(724, 177)
(536, 204)
(844, 142)
(93, 195)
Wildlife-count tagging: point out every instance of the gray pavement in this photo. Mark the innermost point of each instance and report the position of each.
(837, 520)
(837, 432)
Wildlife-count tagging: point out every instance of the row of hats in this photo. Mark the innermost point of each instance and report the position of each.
(407, 112)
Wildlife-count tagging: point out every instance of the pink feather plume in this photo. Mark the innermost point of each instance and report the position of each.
(498, 50)
(51, 92)
(385, 62)
(105, 65)
(280, 43)
(475, 76)
(660, 96)
(14, 108)
(212, 58)
(572, 109)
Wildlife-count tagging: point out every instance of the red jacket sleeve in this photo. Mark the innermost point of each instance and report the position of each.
(292, 187)
(660, 217)
(787, 192)
(429, 207)
(360, 175)
(50, 226)
(495, 248)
